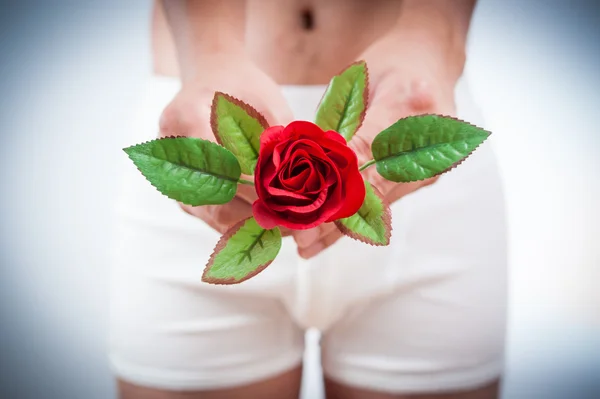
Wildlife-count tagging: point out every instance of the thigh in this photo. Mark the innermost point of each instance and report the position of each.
(440, 327)
(283, 386)
(335, 390)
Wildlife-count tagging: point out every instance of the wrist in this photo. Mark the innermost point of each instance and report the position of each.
(440, 30)
(209, 63)
(204, 30)
(446, 56)
(222, 50)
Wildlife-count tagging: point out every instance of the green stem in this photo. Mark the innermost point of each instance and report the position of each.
(366, 165)
(244, 181)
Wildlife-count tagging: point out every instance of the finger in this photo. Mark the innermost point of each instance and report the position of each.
(232, 212)
(247, 193)
(402, 189)
(201, 214)
(184, 118)
(276, 111)
(285, 232)
(221, 217)
(377, 119)
(320, 245)
(384, 185)
(280, 115)
(399, 190)
(306, 238)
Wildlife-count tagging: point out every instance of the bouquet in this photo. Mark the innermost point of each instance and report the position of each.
(304, 173)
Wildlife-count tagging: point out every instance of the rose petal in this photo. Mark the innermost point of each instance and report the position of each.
(297, 182)
(339, 151)
(301, 146)
(303, 222)
(315, 151)
(278, 152)
(336, 197)
(265, 176)
(333, 135)
(270, 137)
(285, 193)
(329, 207)
(297, 156)
(260, 171)
(354, 195)
(305, 129)
(314, 182)
(300, 166)
(289, 201)
(315, 205)
(340, 159)
(269, 219)
(315, 187)
(263, 215)
(298, 159)
(324, 167)
(264, 168)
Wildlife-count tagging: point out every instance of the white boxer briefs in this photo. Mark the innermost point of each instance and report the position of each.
(425, 314)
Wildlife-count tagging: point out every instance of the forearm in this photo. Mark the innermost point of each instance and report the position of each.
(440, 26)
(202, 28)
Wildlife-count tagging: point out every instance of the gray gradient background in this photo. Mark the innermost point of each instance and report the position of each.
(71, 71)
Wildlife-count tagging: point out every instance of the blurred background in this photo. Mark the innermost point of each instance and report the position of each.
(71, 73)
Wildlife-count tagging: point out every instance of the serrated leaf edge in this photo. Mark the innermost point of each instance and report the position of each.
(454, 165)
(165, 138)
(250, 110)
(365, 93)
(218, 247)
(386, 218)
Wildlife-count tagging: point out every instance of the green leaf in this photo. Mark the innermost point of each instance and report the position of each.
(190, 170)
(373, 221)
(237, 127)
(420, 147)
(243, 251)
(345, 101)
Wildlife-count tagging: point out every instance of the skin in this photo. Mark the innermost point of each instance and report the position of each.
(415, 51)
(283, 386)
(398, 89)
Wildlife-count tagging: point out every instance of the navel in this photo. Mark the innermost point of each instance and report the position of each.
(307, 19)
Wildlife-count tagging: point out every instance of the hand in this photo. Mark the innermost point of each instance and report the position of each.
(188, 114)
(408, 75)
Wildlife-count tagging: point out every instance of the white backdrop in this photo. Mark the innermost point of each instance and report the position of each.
(70, 74)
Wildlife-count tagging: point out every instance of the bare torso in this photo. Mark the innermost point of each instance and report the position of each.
(296, 41)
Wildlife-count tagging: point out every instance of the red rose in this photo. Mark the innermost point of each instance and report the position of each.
(304, 177)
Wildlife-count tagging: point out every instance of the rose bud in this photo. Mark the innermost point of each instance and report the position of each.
(304, 177)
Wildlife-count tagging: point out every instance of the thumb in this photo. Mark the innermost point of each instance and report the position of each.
(275, 109)
(377, 119)
(306, 238)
